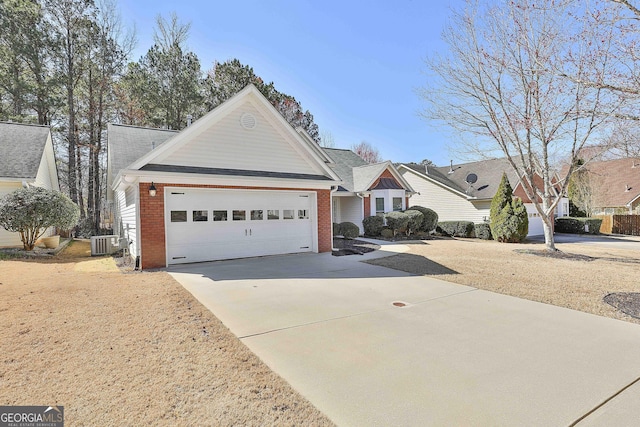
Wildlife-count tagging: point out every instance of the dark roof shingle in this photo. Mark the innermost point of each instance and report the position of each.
(21, 149)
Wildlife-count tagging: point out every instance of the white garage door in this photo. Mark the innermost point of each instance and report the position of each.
(535, 222)
(207, 225)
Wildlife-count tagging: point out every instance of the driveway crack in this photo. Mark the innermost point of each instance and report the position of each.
(604, 402)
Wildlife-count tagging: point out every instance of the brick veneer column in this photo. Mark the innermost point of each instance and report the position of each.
(324, 220)
(152, 232)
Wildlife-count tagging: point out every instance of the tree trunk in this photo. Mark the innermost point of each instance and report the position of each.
(548, 235)
(71, 133)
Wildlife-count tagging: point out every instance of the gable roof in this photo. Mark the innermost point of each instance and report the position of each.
(128, 143)
(358, 175)
(216, 145)
(616, 182)
(488, 172)
(21, 149)
(344, 161)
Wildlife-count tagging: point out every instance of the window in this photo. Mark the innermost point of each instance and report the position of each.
(178, 216)
(397, 203)
(199, 216)
(219, 215)
(303, 214)
(379, 206)
(273, 214)
(256, 215)
(239, 215)
(287, 214)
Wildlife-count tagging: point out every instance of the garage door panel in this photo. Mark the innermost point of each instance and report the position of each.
(236, 224)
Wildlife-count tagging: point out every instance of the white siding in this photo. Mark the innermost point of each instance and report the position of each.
(388, 196)
(8, 239)
(350, 210)
(449, 206)
(47, 176)
(226, 144)
(126, 221)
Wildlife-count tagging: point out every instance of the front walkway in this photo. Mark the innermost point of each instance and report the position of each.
(373, 346)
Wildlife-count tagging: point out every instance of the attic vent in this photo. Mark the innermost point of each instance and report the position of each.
(248, 121)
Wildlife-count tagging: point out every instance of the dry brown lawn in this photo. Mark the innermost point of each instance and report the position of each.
(129, 349)
(502, 268)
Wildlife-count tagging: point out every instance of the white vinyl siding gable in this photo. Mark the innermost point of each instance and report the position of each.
(47, 176)
(449, 205)
(266, 147)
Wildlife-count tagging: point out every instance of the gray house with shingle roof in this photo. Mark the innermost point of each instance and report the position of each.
(367, 189)
(463, 192)
(26, 159)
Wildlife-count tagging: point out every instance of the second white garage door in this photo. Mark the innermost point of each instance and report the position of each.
(207, 225)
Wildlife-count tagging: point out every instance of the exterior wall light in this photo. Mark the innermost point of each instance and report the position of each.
(152, 190)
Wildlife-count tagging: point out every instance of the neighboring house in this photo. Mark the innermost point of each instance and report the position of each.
(26, 159)
(614, 186)
(464, 192)
(239, 182)
(366, 189)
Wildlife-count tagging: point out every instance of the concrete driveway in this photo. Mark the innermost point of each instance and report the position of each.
(452, 355)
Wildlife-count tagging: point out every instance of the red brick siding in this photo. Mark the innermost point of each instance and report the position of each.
(152, 231)
(367, 206)
(385, 174)
(324, 220)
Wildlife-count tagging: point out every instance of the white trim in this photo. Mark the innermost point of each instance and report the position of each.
(218, 113)
(128, 177)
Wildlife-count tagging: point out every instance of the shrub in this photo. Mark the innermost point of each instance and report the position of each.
(508, 218)
(415, 221)
(30, 211)
(373, 225)
(349, 230)
(482, 231)
(456, 228)
(512, 224)
(387, 233)
(429, 218)
(336, 229)
(578, 225)
(397, 221)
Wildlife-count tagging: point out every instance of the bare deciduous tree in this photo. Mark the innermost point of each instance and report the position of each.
(504, 82)
(367, 152)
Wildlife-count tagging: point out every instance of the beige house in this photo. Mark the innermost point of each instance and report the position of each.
(463, 192)
(26, 159)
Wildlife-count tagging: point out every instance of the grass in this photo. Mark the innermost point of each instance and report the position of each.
(579, 281)
(129, 349)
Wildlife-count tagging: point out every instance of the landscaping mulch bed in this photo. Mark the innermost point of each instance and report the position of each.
(626, 302)
(352, 247)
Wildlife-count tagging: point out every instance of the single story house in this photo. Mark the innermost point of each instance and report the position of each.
(615, 186)
(26, 159)
(366, 189)
(238, 182)
(463, 192)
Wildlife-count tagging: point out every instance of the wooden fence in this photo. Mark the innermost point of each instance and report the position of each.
(620, 224)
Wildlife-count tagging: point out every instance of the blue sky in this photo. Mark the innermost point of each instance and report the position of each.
(355, 65)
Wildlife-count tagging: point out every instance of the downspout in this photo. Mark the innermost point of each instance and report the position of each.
(361, 195)
(334, 188)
